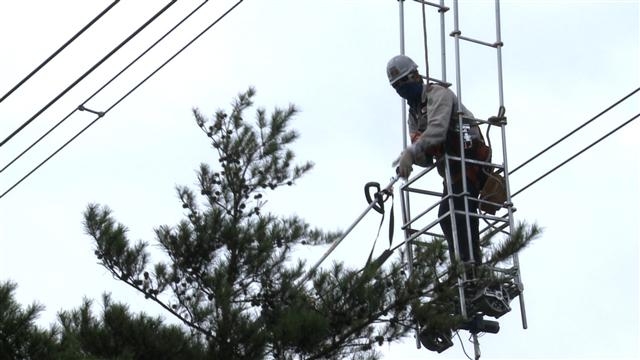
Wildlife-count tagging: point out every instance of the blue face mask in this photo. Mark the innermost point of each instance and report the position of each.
(411, 91)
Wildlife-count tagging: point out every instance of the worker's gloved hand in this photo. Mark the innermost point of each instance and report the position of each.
(423, 159)
(404, 162)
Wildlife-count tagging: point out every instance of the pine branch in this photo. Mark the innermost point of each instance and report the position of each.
(228, 276)
(520, 238)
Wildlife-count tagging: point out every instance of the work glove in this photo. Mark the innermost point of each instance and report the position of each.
(404, 162)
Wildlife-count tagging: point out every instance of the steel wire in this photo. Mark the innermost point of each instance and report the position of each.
(57, 52)
(105, 85)
(575, 130)
(86, 73)
(576, 154)
(122, 98)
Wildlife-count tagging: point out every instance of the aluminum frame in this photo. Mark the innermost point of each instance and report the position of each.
(504, 222)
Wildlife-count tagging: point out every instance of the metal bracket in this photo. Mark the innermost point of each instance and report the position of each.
(83, 108)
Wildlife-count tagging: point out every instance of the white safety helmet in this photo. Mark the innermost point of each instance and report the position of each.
(400, 66)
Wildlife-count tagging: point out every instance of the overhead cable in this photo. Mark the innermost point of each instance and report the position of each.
(575, 130)
(95, 66)
(576, 154)
(559, 165)
(101, 114)
(55, 53)
(82, 106)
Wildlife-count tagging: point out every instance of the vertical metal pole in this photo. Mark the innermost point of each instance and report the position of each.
(454, 233)
(404, 198)
(499, 52)
(406, 211)
(456, 33)
(443, 48)
(426, 44)
(515, 258)
(404, 105)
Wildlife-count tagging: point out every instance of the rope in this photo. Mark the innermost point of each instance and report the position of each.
(462, 344)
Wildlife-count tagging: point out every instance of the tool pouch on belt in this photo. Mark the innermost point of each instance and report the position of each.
(492, 184)
(475, 149)
(495, 191)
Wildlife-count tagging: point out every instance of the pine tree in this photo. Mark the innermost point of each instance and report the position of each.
(20, 337)
(80, 335)
(118, 334)
(230, 276)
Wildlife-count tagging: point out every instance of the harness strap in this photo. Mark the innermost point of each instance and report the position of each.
(379, 198)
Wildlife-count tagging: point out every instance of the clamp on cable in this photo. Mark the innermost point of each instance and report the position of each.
(83, 108)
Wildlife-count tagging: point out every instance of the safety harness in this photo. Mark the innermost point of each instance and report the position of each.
(475, 148)
(484, 177)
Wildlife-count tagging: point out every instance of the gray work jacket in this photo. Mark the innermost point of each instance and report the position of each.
(438, 110)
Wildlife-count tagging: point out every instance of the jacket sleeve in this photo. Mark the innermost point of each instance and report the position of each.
(438, 115)
(414, 131)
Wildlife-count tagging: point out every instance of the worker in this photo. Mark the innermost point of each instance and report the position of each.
(433, 129)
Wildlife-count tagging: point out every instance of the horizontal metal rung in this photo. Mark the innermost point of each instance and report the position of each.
(497, 230)
(417, 217)
(418, 176)
(493, 45)
(430, 208)
(441, 8)
(424, 192)
(425, 233)
(477, 215)
(424, 229)
(467, 160)
(509, 271)
(496, 219)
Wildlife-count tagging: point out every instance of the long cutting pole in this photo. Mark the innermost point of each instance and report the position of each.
(337, 242)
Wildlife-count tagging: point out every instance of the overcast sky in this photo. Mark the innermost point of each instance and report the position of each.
(564, 62)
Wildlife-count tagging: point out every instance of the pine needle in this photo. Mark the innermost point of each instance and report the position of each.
(520, 238)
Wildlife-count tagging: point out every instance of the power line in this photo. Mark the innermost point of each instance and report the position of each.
(570, 158)
(101, 114)
(576, 154)
(55, 53)
(82, 105)
(575, 130)
(95, 66)
(571, 133)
